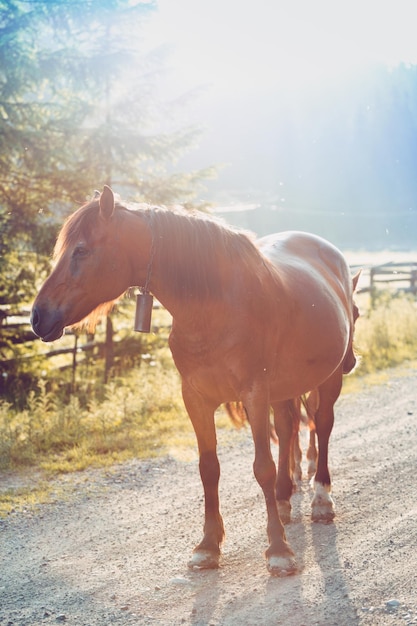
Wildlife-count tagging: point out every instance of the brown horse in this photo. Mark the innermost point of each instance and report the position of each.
(257, 324)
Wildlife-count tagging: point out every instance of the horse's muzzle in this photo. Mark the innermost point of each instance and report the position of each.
(47, 325)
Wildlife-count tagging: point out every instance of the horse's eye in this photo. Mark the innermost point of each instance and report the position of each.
(80, 251)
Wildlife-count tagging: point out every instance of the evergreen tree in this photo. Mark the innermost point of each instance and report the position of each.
(78, 108)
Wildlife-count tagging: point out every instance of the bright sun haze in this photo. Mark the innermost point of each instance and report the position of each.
(306, 107)
(237, 45)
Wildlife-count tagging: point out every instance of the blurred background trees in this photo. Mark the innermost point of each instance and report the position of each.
(79, 106)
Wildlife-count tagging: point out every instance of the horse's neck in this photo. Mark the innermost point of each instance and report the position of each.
(236, 287)
(244, 296)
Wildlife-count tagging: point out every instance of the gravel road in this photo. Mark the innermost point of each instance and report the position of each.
(111, 547)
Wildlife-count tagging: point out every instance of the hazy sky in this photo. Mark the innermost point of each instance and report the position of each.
(261, 63)
(237, 44)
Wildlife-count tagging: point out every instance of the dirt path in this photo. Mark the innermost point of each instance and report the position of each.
(114, 549)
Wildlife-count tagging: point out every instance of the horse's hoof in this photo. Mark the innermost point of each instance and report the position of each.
(284, 510)
(323, 514)
(322, 505)
(281, 566)
(322, 510)
(203, 559)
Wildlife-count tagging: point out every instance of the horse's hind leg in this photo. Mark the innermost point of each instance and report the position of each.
(287, 424)
(207, 553)
(322, 504)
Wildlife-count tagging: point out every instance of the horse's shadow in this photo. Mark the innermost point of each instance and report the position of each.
(206, 596)
(323, 587)
(319, 593)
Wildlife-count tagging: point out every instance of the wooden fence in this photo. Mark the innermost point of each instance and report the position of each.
(15, 330)
(395, 277)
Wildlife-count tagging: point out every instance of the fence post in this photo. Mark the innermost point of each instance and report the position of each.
(372, 288)
(74, 362)
(413, 282)
(108, 349)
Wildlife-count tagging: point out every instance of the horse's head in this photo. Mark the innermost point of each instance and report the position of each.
(91, 270)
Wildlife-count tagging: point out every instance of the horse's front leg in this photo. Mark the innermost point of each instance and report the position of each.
(207, 553)
(322, 505)
(280, 557)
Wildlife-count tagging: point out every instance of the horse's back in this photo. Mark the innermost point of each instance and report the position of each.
(300, 250)
(307, 263)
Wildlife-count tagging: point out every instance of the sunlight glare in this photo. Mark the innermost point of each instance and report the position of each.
(232, 46)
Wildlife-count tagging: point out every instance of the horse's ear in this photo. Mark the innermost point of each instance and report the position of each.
(106, 203)
(96, 194)
(355, 279)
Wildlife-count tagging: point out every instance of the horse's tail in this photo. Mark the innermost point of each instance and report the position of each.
(350, 361)
(310, 402)
(237, 413)
(239, 417)
(351, 358)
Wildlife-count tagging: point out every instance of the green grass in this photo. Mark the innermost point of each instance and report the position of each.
(386, 336)
(136, 417)
(27, 498)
